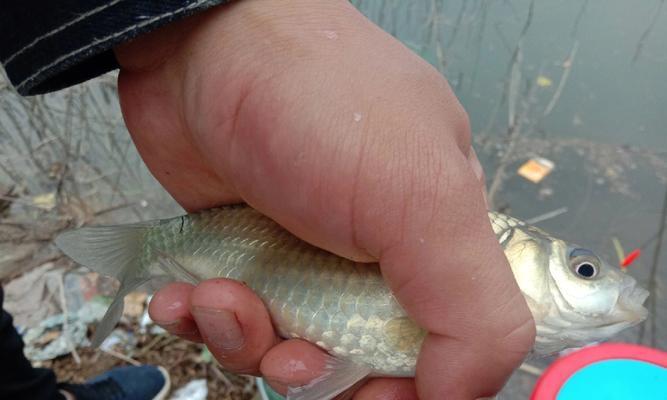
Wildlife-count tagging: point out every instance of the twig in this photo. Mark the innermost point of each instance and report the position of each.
(546, 216)
(221, 375)
(511, 93)
(513, 89)
(503, 38)
(114, 208)
(513, 61)
(480, 38)
(647, 32)
(121, 356)
(433, 27)
(575, 26)
(457, 24)
(618, 248)
(249, 386)
(563, 79)
(157, 339)
(499, 175)
(531, 369)
(21, 201)
(63, 305)
(514, 132)
(19, 223)
(653, 274)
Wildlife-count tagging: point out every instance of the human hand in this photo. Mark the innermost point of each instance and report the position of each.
(315, 117)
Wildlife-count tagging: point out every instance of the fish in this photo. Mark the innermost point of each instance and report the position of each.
(345, 307)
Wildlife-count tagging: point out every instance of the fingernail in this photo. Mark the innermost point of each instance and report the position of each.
(173, 327)
(219, 328)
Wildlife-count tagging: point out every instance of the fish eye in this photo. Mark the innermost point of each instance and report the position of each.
(584, 263)
(586, 270)
(578, 252)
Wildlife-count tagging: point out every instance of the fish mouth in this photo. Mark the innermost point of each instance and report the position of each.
(630, 305)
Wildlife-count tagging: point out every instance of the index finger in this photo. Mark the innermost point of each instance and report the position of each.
(447, 269)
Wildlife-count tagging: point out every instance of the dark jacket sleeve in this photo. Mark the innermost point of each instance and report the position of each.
(46, 45)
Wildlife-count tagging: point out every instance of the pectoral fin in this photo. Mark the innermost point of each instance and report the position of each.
(173, 268)
(339, 376)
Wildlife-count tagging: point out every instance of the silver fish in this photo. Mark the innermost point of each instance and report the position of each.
(345, 307)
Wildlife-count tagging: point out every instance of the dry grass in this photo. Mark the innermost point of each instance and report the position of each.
(66, 160)
(182, 359)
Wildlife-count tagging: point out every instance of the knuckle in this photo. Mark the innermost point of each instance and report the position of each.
(518, 339)
(450, 112)
(239, 363)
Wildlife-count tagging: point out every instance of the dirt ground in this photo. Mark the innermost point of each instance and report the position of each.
(182, 359)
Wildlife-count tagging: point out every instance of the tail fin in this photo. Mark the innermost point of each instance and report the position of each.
(114, 251)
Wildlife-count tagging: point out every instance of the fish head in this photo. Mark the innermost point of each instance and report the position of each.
(591, 300)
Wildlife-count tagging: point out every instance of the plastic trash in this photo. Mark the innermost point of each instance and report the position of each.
(53, 337)
(536, 169)
(193, 390)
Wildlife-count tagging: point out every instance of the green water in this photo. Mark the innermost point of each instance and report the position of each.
(605, 130)
(614, 92)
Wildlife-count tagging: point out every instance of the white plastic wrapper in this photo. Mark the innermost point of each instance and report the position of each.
(194, 390)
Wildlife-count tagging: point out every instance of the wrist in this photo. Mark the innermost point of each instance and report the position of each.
(257, 27)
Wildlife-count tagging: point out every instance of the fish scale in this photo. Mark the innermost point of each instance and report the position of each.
(343, 306)
(295, 280)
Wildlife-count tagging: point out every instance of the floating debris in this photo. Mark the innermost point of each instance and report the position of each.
(608, 165)
(544, 82)
(627, 261)
(547, 216)
(620, 253)
(545, 192)
(536, 169)
(567, 63)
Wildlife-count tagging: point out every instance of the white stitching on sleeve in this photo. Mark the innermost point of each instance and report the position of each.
(58, 29)
(97, 42)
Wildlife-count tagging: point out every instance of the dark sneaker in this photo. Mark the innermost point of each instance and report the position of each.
(146, 382)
